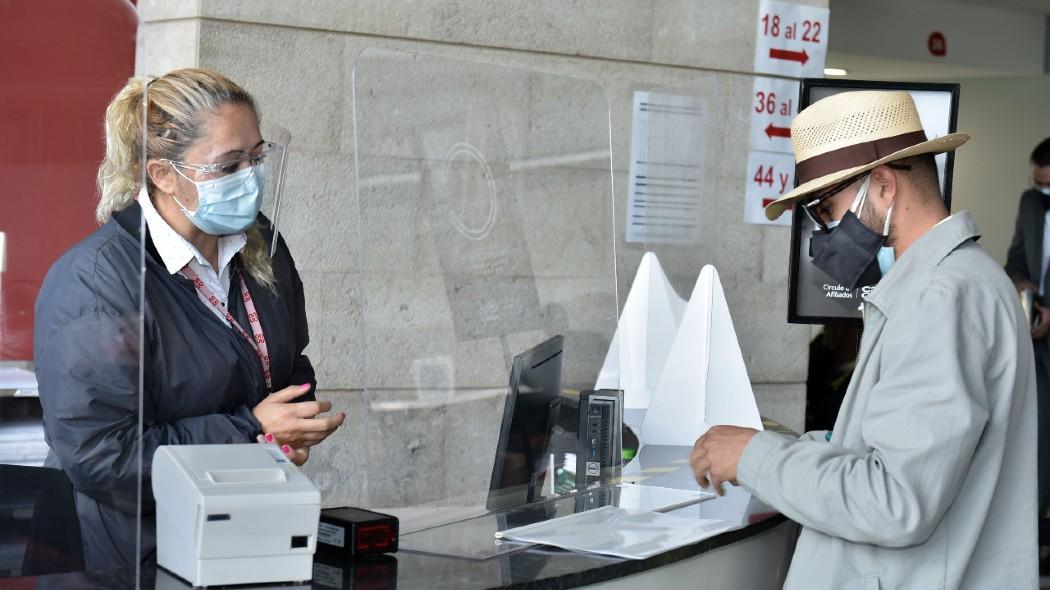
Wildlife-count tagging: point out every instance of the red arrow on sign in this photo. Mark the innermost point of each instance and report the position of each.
(800, 56)
(766, 202)
(774, 131)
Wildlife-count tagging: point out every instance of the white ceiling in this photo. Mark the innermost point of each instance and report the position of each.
(874, 67)
(862, 67)
(1037, 6)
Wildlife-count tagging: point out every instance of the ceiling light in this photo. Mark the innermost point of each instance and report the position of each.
(835, 72)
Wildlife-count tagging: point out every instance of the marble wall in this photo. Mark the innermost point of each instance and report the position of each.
(396, 300)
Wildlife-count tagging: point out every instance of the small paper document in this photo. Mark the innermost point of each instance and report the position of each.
(630, 534)
(658, 498)
(667, 168)
(684, 367)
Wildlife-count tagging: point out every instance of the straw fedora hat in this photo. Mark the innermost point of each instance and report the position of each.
(852, 132)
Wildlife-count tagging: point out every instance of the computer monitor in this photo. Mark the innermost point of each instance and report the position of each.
(530, 414)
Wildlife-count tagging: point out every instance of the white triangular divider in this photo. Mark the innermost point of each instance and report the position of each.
(704, 381)
(644, 334)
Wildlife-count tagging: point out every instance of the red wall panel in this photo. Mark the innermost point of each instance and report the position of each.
(61, 61)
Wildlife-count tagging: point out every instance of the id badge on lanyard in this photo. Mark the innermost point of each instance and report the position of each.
(256, 339)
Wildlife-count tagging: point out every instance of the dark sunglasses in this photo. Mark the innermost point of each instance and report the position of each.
(811, 207)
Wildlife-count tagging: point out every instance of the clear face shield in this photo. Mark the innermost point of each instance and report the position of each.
(278, 139)
(231, 193)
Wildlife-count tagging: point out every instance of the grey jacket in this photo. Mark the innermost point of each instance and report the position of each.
(929, 479)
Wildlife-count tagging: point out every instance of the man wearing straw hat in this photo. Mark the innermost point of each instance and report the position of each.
(929, 477)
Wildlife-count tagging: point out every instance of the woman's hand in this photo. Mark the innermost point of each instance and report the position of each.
(297, 456)
(296, 423)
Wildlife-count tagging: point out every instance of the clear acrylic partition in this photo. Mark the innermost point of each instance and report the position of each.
(673, 222)
(72, 360)
(485, 219)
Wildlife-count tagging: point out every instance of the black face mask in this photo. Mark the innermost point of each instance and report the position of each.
(847, 252)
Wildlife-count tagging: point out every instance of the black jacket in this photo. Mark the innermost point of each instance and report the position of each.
(200, 378)
(1024, 259)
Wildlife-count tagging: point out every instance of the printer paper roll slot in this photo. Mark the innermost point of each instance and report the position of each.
(247, 475)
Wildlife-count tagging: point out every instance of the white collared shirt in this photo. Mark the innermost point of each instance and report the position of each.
(176, 252)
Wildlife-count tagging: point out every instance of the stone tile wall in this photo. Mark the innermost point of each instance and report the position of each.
(408, 440)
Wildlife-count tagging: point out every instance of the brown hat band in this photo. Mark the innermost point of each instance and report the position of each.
(852, 156)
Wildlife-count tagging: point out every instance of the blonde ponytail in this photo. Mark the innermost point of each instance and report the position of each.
(175, 109)
(256, 258)
(120, 172)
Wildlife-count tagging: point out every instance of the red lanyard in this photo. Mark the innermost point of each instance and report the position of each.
(258, 343)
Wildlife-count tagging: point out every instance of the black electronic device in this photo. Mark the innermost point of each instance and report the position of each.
(597, 498)
(531, 412)
(378, 572)
(599, 456)
(351, 533)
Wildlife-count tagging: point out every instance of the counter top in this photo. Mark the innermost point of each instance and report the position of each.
(518, 567)
(532, 568)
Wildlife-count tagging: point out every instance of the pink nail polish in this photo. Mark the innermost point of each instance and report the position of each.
(269, 437)
(287, 449)
(305, 386)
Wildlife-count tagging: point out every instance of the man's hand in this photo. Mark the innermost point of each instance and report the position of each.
(717, 453)
(1042, 328)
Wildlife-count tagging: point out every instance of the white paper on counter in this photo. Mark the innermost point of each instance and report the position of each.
(704, 382)
(658, 498)
(643, 336)
(630, 534)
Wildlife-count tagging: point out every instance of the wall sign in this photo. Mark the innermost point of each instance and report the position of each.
(770, 164)
(769, 176)
(669, 138)
(774, 103)
(791, 40)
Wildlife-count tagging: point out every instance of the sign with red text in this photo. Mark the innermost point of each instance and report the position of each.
(792, 40)
(769, 176)
(774, 103)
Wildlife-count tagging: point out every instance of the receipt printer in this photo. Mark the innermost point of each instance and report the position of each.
(234, 514)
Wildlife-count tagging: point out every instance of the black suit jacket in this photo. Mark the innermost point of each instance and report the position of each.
(1024, 259)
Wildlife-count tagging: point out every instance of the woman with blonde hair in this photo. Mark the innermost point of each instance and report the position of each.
(223, 323)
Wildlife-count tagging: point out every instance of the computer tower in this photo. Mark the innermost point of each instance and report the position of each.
(599, 455)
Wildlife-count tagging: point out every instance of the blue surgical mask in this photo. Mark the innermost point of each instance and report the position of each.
(886, 255)
(227, 205)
